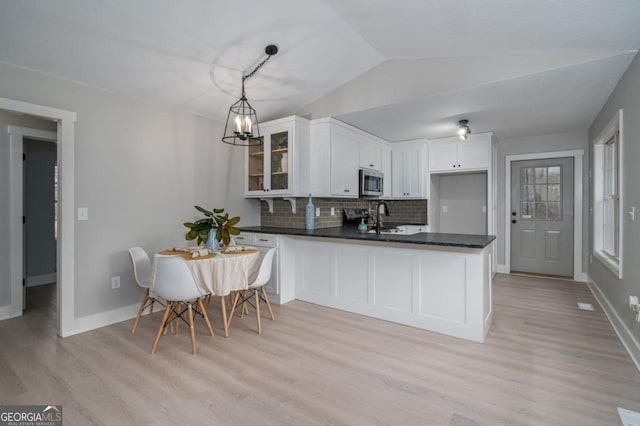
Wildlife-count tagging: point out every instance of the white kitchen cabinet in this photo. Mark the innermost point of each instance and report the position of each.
(454, 154)
(278, 166)
(370, 154)
(335, 157)
(344, 162)
(265, 242)
(442, 289)
(407, 169)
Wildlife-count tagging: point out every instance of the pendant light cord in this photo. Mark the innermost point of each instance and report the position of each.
(245, 77)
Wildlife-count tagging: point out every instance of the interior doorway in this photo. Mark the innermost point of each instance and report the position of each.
(12, 292)
(39, 190)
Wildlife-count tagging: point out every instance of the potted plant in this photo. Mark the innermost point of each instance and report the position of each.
(202, 230)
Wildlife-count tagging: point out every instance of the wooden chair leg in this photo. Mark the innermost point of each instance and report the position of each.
(234, 304)
(257, 293)
(266, 299)
(179, 309)
(144, 302)
(244, 309)
(151, 307)
(192, 329)
(223, 308)
(205, 316)
(162, 327)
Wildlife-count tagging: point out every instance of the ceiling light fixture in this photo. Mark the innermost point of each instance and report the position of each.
(242, 123)
(464, 129)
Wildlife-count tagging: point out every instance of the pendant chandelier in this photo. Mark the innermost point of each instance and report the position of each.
(242, 123)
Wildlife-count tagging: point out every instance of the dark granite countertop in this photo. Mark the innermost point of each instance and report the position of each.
(351, 233)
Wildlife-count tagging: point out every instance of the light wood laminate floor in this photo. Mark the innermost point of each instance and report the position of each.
(544, 362)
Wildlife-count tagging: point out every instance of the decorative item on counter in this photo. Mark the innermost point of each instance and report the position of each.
(362, 227)
(213, 229)
(310, 215)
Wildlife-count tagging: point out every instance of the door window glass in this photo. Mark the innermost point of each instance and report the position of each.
(540, 195)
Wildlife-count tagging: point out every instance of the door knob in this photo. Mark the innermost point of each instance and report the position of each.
(513, 213)
(513, 221)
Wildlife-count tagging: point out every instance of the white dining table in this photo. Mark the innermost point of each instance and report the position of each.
(222, 272)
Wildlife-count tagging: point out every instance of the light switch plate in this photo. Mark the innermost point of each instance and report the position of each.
(83, 213)
(317, 211)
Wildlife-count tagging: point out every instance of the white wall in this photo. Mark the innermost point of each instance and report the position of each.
(536, 144)
(8, 119)
(626, 96)
(140, 168)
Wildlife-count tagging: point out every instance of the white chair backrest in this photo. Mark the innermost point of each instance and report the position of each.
(173, 280)
(141, 266)
(265, 269)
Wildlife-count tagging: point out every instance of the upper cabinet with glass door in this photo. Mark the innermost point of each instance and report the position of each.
(272, 169)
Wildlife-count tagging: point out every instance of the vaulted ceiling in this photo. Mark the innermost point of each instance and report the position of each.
(401, 70)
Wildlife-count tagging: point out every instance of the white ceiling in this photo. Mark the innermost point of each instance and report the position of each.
(191, 55)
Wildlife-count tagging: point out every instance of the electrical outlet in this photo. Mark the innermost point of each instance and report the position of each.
(318, 211)
(115, 282)
(333, 211)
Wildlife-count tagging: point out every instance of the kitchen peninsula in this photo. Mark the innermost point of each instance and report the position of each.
(438, 282)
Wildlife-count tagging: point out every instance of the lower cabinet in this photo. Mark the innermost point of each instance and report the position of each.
(446, 290)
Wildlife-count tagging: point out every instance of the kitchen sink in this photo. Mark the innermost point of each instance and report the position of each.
(402, 230)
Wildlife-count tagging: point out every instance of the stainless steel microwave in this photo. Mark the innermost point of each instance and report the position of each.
(371, 183)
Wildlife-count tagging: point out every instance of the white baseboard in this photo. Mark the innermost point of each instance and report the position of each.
(581, 277)
(624, 334)
(502, 269)
(7, 313)
(41, 279)
(103, 319)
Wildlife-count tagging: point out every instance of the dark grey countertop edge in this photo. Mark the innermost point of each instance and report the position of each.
(350, 233)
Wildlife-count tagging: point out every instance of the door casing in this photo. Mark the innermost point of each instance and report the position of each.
(65, 247)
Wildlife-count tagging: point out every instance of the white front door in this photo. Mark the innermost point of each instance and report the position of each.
(542, 215)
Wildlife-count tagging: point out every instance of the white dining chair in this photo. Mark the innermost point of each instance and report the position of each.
(256, 290)
(142, 275)
(174, 282)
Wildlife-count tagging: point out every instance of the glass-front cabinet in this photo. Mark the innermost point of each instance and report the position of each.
(269, 167)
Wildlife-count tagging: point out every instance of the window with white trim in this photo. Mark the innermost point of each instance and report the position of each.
(607, 194)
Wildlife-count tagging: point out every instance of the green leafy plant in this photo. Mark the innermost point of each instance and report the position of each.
(199, 230)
